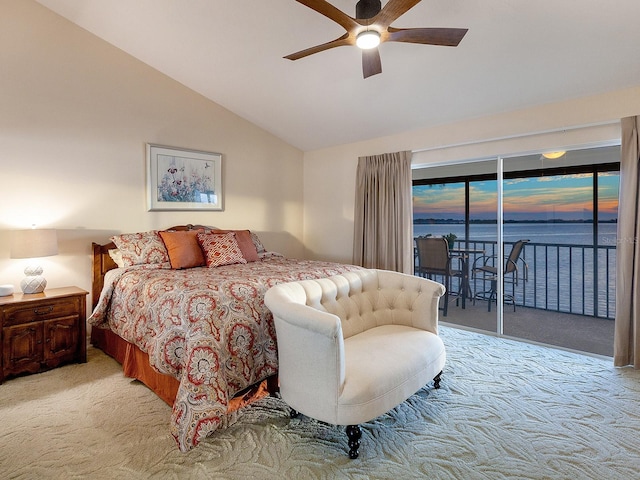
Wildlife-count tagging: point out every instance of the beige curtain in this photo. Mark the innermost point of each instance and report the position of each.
(383, 231)
(626, 350)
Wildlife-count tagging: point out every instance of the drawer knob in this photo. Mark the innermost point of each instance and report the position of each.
(43, 311)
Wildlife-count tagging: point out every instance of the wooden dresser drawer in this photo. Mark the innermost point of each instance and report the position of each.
(15, 315)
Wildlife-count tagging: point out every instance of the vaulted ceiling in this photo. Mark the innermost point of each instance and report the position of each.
(517, 53)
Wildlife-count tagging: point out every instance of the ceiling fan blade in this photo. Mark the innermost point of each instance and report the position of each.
(371, 64)
(449, 37)
(338, 42)
(392, 11)
(325, 8)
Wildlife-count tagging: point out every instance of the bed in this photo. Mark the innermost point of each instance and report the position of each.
(199, 335)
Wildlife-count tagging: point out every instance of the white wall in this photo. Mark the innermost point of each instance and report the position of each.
(75, 115)
(328, 206)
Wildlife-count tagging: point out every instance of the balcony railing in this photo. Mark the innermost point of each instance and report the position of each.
(566, 278)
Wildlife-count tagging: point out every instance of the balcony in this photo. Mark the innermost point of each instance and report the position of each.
(571, 331)
(564, 296)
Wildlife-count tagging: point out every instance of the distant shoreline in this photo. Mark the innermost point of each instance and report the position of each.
(451, 221)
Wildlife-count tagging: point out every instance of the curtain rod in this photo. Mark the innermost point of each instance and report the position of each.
(515, 136)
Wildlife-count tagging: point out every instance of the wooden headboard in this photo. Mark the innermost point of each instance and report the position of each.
(102, 262)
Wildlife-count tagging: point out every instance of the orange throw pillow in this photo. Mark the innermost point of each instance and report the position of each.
(183, 248)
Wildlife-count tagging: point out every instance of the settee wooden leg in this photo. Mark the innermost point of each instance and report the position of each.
(353, 434)
(273, 385)
(436, 380)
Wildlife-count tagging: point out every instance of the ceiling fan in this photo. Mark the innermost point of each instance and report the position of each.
(372, 26)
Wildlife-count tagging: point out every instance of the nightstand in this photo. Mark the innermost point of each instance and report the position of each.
(42, 330)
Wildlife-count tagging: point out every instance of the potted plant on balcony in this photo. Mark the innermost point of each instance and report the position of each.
(451, 238)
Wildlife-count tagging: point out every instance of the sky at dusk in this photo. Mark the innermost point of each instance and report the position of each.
(561, 197)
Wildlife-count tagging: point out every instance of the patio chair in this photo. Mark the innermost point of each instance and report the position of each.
(484, 269)
(434, 261)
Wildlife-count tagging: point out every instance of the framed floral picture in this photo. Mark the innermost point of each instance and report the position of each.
(179, 179)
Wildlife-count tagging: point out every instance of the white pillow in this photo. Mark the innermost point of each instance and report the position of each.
(116, 256)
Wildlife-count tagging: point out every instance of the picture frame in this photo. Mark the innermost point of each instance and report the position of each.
(181, 179)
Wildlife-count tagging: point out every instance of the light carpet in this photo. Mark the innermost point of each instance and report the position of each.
(505, 410)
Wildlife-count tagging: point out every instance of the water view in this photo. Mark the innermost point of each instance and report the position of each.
(564, 233)
(560, 259)
(568, 270)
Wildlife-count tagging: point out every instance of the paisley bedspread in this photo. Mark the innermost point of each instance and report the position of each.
(208, 327)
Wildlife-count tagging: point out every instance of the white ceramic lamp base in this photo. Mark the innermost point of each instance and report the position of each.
(34, 282)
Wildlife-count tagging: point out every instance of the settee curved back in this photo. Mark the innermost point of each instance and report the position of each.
(365, 299)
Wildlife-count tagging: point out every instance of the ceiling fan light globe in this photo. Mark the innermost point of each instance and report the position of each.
(368, 39)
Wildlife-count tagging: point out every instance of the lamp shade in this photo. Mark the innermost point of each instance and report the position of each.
(34, 243)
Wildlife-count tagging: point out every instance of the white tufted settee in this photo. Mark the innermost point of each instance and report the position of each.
(353, 346)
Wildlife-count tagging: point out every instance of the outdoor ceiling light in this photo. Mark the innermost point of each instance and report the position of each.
(553, 155)
(368, 39)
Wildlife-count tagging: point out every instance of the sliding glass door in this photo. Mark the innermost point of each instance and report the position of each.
(539, 243)
(566, 208)
(449, 202)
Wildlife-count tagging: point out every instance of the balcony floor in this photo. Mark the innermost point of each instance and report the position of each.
(574, 332)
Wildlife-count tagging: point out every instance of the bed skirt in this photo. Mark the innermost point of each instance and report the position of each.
(135, 364)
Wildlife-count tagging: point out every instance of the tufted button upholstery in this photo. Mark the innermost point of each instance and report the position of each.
(363, 301)
(353, 346)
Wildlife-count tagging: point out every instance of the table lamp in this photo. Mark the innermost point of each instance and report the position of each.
(34, 243)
